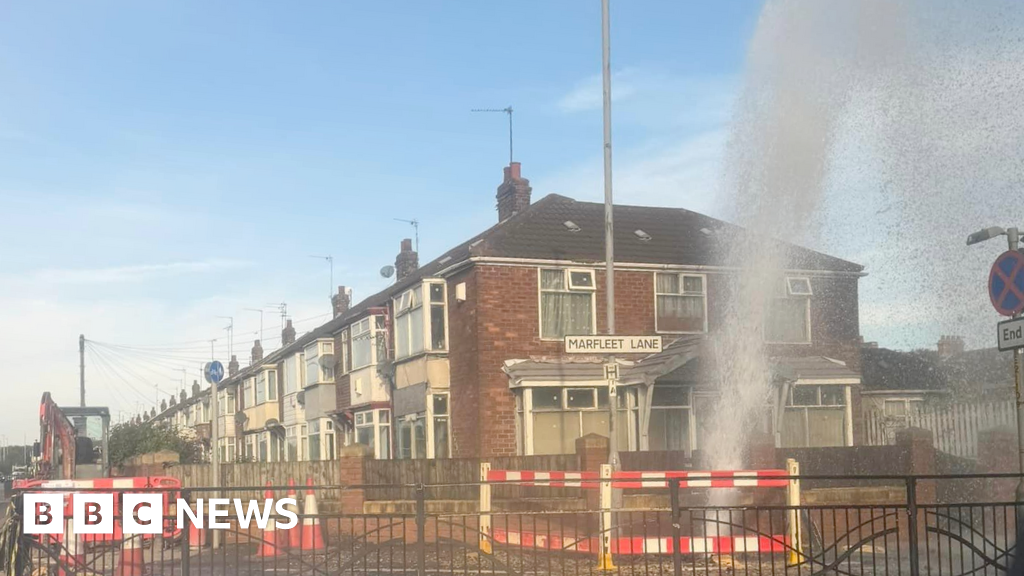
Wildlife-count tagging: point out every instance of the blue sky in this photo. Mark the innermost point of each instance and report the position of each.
(163, 163)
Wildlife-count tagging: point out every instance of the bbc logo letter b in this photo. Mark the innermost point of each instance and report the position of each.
(44, 513)
(92, 513)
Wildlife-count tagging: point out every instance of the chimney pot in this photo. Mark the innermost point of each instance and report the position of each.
(288, 334)
(233, 366)
(514, 193)
(195, 388)
(257, 353)
(341, 301)
(407, 260)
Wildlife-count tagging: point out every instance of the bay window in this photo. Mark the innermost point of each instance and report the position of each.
(291, 374)
(681, 303)
(421, 326)
(315, 372)
(321, 439)
(373, 429)
(815, 416)
(362, 344)
(557, 417)
(442, 438)
(670, 421)
(248, 397)
(566, 303)
(788, 319)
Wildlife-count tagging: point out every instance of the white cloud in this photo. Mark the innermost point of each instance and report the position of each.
(588, 93)
(684, 173)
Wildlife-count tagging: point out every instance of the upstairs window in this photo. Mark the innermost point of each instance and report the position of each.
(788, 320)
(681, 301)
(319, 366)
(291, 374)
(421, 323)
(362, 344)
(248, 394)
(566, 303)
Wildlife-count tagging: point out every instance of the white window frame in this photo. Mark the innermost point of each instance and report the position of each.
(432, 421)
(682, 278)
(403, 306)
(565, 283)
(789, 286)
(791, 408)
(785, 295)
(380, 422)
(319, 347)
(525, 412)
(363, 330)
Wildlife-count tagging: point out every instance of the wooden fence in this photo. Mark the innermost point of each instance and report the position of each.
(465, 471)
(954, 427)
(326, 473)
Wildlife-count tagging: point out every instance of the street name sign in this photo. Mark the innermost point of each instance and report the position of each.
(1010, 334)
(612, 344)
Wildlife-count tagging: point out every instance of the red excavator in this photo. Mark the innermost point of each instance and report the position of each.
(69, 458)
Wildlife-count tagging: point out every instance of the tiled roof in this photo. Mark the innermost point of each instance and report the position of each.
(812, 368)
(677, 236)
(885, 369)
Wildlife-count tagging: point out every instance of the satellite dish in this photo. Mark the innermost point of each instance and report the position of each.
(387, 271)
(326, 361)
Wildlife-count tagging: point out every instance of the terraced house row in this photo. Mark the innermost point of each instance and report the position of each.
(463, 356)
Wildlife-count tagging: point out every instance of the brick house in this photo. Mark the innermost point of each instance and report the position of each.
(469, 347)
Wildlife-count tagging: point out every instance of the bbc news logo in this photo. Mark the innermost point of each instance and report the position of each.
(94, 513)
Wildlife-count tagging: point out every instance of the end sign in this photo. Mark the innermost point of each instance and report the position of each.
(1010, 334)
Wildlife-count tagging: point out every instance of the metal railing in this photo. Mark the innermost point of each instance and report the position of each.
(666, 531)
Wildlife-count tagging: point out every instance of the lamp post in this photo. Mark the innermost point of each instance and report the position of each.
(1013, 243)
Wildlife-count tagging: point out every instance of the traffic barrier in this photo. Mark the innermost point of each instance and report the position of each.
(607, 543)
(294, 536)
(269, 537)
(312, 537)
(72, 553)
(133, 559)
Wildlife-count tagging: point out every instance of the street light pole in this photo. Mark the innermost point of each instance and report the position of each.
(609, 240)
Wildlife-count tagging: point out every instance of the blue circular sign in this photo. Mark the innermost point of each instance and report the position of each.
(1006, 283)
(214, 372)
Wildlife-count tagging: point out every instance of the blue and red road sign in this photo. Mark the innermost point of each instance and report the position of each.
(1006, 283)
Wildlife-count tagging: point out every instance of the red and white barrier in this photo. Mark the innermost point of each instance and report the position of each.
(630, 479)
(640, 545)
(607, 544)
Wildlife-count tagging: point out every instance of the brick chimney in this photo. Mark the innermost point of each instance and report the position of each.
(163, 405)
(195, 388)
(950, 346)
(174, 400)
(341, 301)
(184, 396)
(233, 366)
(513, 194)
(407, 260)
(288, 333)
(257, 353)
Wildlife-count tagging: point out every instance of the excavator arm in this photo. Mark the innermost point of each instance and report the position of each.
(57, 442)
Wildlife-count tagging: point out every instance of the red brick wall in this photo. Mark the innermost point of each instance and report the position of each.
(499, 321)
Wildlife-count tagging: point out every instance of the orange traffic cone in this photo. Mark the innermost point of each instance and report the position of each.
(133, 560)
(294, 535)
(72, 557)
(312, 537)
(196, 537)
(268, 545)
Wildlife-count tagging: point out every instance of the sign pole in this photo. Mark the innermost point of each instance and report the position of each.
(214, 373)
(1013, 241)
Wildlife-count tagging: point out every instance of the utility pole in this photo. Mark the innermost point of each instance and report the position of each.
(81, 368)
(214, 440)
(609, 240)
